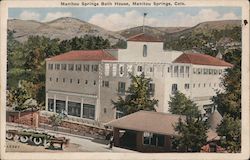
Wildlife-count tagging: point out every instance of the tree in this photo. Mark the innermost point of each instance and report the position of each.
(138, 96)
(180, 104)
(192, 134)
(17, 97)
(229, 104)
(230, 132)
(229, 101)
(191, 129)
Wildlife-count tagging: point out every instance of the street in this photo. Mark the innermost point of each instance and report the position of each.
(77, 144)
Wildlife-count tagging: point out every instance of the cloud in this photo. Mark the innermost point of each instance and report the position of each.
(26, 15)
(182, 19)
(133, 18)
(53, 16)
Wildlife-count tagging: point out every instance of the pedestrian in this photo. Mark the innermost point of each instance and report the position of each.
(111, 142)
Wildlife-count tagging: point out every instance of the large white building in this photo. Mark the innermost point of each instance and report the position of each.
(83, 83)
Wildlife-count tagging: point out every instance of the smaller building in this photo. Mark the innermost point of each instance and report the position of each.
(145, 131)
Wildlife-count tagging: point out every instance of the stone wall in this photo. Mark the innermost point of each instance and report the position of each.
(29, 118)
(78, 128)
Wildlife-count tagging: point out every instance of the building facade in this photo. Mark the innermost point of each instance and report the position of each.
(83, 83)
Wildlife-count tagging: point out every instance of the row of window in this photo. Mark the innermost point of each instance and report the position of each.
(72, 67)
(78, 81)
(207, 71)
(187, 86)
(74, 108)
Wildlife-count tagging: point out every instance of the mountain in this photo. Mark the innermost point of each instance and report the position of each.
(67, 28)
(62, 28)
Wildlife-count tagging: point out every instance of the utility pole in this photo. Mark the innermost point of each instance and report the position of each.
(143, 29)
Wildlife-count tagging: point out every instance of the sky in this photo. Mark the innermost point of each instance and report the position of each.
(115, 19)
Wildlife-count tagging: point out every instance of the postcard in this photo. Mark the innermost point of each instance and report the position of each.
(124, 79)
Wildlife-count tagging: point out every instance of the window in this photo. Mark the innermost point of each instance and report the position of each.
(51, 105)
(60, 106)
(78, 67)
(194, 85)
(199, 85)
(119, 114)
(187, 71)
(50, 79)
(176, 68)
(194, 70)
(56, 79)
(151, 89)
(210, 71)
(139, 68)
(70, 67)
(78, 81)
(86, 81)
(220, 71)
(215, 71)
(57, 67)
(151, 69)
(105, 83)
(182, 71)
(186, 86)
(121, 87)
(74, 109)
(106, 70)
(50, 66)
(86, 68)
(209, 84)
(71, 80)
(105, 110)
(199, 70)
(145, 50)
(63, 80)
(88, 111)
(114, 67)
(121, 70)
(204, 84)
(168, 69)
(94, 68)
(174, 88)
(153, 139)
(94, 82)
(63, 66)
(205, 71)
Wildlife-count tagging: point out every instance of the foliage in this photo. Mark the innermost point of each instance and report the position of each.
(121, 44)
(56, 120)
(192, 134)
(16, 97)
(208, 42)
(229, 104)
(229, 101)
(180, 104)
(230, 131)
(138, 96)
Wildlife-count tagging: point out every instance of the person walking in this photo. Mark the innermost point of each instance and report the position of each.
(111, 142)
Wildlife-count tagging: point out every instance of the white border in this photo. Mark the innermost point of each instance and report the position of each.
(99, 155)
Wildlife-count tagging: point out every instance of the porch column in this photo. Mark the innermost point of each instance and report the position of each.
(66, 104)
(81, 108)
(46, 102)
(54, 108)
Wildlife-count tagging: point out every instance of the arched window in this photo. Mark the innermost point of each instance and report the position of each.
(145, 50)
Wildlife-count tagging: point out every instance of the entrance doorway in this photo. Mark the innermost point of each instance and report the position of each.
(128, 139)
